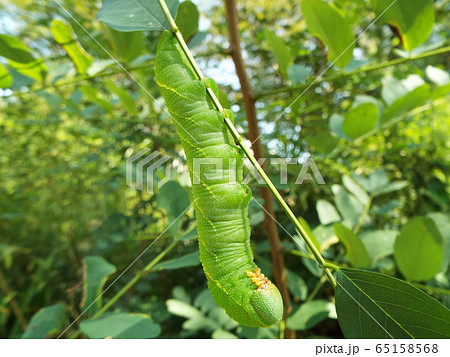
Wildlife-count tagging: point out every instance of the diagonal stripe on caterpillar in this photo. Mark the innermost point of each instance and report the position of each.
(234, 280)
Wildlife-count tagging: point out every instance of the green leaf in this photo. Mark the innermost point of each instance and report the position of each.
(442, 222)
(413, 18)
(99, 66)
(174, 199)
(355, 189)
(298, 73)
(323, 142)
(135, 15)
(204, 301)
(121, 325)
(5, 77)
(35, 69)
(393, 88)
(325, 236)
(309, 231)
(379, 244)
(390, 187)
(127, 45)
(92, 95)
(356, 252)
(296, 285)
(312, 266)
(185, 261)
(335, 125)
(196, 319)
(362, 99)
(280, 50)
(327, 212)
(361, 120)
(125, 98)
(347, 205)
(187, 19)
(96, 272)
(374, 305)
(64, 35)
(46, 322)
(310, 314)
(331, 27)
(13, 49)
(409, 101)
(376, 180)
(223, 99)
(419, 249)
(440, 91)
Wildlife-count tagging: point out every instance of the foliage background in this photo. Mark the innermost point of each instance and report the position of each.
(70, 117)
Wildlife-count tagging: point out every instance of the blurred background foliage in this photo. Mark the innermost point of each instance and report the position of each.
(375, 121)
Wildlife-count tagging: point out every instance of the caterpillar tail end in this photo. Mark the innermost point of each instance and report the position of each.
(268, 304)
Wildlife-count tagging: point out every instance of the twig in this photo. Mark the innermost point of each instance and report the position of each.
(364, 69)
(86, 77)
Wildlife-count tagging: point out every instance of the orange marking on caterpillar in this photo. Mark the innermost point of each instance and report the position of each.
(259, 279)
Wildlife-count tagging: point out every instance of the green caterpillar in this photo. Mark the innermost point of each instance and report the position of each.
(221, 206)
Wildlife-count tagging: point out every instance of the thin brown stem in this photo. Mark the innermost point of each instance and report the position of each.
(253, 135)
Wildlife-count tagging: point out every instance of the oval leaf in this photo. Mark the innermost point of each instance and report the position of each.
(135, 15)
(322, 142)
(357, 191)
(327, 212)
(174, 199)
(379, 244)
(46, 322)
(442, 222)
(310, 314)
(296, 285)
(330, 26)
(356, 252)
(374, 305)
(96, 272)
(187, 19)
(413, 18)
(127, 45)
(280, 50)
(13, 49)
(409, 101)
(419, 249)
(361, 120)
(64, 35)
(347, 205)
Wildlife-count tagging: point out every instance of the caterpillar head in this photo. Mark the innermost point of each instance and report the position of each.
(266, 299)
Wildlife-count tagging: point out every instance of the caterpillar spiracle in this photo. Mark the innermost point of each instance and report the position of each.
(221, 206)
